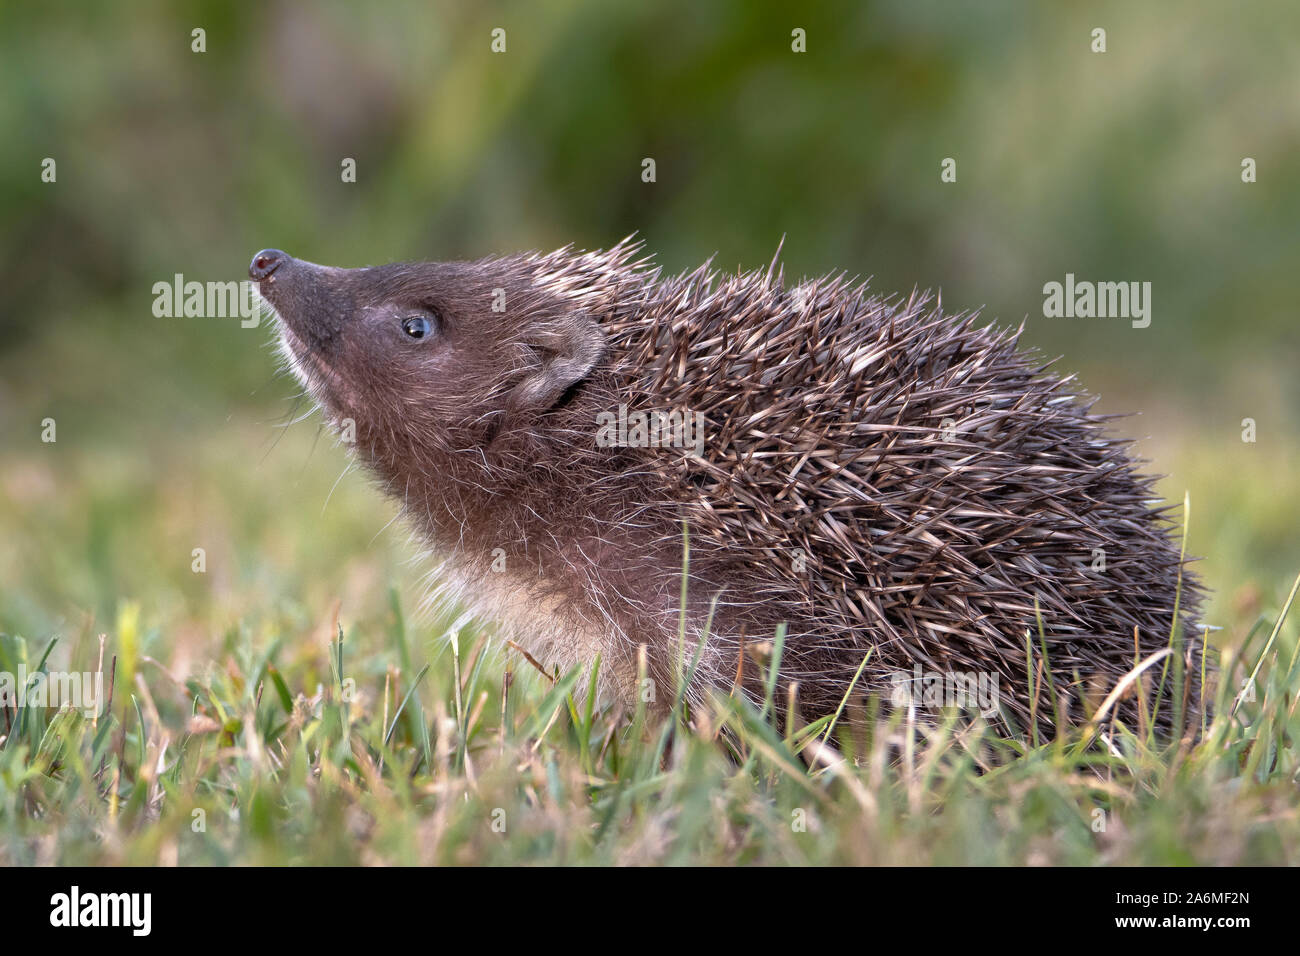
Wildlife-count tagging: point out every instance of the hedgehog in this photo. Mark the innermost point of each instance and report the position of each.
(666, 480)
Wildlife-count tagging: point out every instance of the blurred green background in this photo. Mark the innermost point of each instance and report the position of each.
(1122, 166)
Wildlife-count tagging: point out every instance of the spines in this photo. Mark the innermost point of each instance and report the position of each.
(877, 473)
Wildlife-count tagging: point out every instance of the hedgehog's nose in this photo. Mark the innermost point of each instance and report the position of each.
(266, 262)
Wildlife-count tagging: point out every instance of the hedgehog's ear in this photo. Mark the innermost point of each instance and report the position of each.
(568, 350)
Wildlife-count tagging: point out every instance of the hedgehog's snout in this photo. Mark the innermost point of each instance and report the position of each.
(310, 300)
(266, 262)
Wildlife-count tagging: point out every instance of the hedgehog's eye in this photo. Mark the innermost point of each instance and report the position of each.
(417, 326)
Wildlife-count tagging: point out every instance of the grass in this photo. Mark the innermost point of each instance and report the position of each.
(299, 748)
